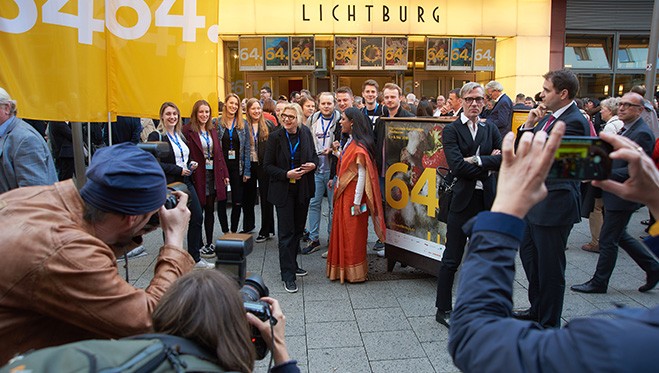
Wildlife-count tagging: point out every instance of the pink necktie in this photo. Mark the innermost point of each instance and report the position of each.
(549, 122)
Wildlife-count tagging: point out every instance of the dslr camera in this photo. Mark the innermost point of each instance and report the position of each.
(231, 252)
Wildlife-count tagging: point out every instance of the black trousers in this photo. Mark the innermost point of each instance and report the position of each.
(237, 189)
(291, 219)
(196, 218)
(455, 246)
(267, 210)
(543, 258)
(614, 234)
(249, 200)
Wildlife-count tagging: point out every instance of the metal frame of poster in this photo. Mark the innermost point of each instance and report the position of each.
(305, 46)
(255, 43)
(280, 53)
(344, 59)
(485, 49)
(395, 53)
(463, 51)
(371, 56)
(437, 53)
(411, 195)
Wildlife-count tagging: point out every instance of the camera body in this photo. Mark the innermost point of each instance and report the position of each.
(231, 251)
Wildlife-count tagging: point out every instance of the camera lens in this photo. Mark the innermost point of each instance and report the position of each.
(254, 288)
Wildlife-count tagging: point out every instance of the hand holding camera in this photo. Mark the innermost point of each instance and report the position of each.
(174, 219)
(279, 350)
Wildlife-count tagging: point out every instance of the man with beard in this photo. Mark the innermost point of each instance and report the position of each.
(59, 281)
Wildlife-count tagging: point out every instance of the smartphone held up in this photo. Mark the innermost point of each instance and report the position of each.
(581, 158)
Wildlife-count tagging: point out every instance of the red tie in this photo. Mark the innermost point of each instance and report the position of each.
(549, 122)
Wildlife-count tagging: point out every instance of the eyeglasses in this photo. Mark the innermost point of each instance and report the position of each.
(470, 100)
(286, 117)
(627, 105)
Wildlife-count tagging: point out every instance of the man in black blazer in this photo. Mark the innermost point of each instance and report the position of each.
(502, 112)
(549, 222)
(473, 150)
(618, 211)
(290, 161)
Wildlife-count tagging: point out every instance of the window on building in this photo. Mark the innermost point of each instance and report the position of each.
(633, 51)
(588, 51)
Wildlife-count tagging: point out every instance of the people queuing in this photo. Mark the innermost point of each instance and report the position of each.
(178, 167)
(212, 176)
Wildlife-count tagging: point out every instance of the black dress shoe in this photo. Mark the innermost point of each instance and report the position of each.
(443, 317)
(589, 287)
(524, 315)
(650, 283)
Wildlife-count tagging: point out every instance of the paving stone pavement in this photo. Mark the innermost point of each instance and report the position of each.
(389, 326)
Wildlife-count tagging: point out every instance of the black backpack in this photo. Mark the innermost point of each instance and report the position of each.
(142, 353)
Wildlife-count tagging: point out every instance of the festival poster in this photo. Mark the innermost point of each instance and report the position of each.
(484, 54)
(303, 53)
(371, 56)
(413, 151)
(277, 53)
(395, 53)
(462, 53)
(346, 53)
(437, 53)
(251, 53)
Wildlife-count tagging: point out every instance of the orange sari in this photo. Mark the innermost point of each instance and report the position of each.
(346, 259)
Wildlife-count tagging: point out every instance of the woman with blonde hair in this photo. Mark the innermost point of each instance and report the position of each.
(232, 134)
(259, 129)
(178, 167)
(212, 177)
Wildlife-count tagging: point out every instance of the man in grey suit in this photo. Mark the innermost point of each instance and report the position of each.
(25, 159)
(618, 211)
(549, 222)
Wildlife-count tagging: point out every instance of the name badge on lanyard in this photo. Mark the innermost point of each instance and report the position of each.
(232, 154)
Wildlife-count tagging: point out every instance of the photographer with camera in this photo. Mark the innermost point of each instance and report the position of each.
(206, 308)
(58, 278)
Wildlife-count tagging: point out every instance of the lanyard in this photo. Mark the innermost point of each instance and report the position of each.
(175, 140)
(208, 142)
(292, 149)
(343, 150)
(256, 134)
(325, 129)
(233, 124)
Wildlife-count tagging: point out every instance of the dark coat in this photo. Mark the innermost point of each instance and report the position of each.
(168, 163)
(641, 134)
(501, 114)
(458, 144)
(562, 206)
(220, 171)
(277, 164)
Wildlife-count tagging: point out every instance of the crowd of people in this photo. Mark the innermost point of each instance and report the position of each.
(287, 156)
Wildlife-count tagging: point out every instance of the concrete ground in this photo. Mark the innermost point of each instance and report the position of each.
(389, 326)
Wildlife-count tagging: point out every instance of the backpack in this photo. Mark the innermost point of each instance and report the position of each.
(142, 353)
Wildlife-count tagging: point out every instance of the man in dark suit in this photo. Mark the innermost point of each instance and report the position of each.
(453, 106)
(290, 161)
(502, 112)
(549, 222)
(61, 140)
(473, 150)
(392, 95)
(618, 211)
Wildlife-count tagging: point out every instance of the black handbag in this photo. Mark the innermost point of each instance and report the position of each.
(444, 192)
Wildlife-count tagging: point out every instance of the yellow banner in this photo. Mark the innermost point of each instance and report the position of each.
(251, 53)
(484, 54)
(80, 60)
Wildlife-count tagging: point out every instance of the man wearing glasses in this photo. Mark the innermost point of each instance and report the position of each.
(549, 222)
(618, 211)
(473, 150)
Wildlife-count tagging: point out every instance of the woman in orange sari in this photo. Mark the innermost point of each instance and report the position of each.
(356, 195)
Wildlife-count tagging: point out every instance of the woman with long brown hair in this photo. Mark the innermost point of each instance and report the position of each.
(308, 106)
(232, 134)
(205, 307)
(212, 177)
(178, 167)
(259, 129)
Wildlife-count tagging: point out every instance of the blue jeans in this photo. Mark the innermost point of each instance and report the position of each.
(315, 205)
